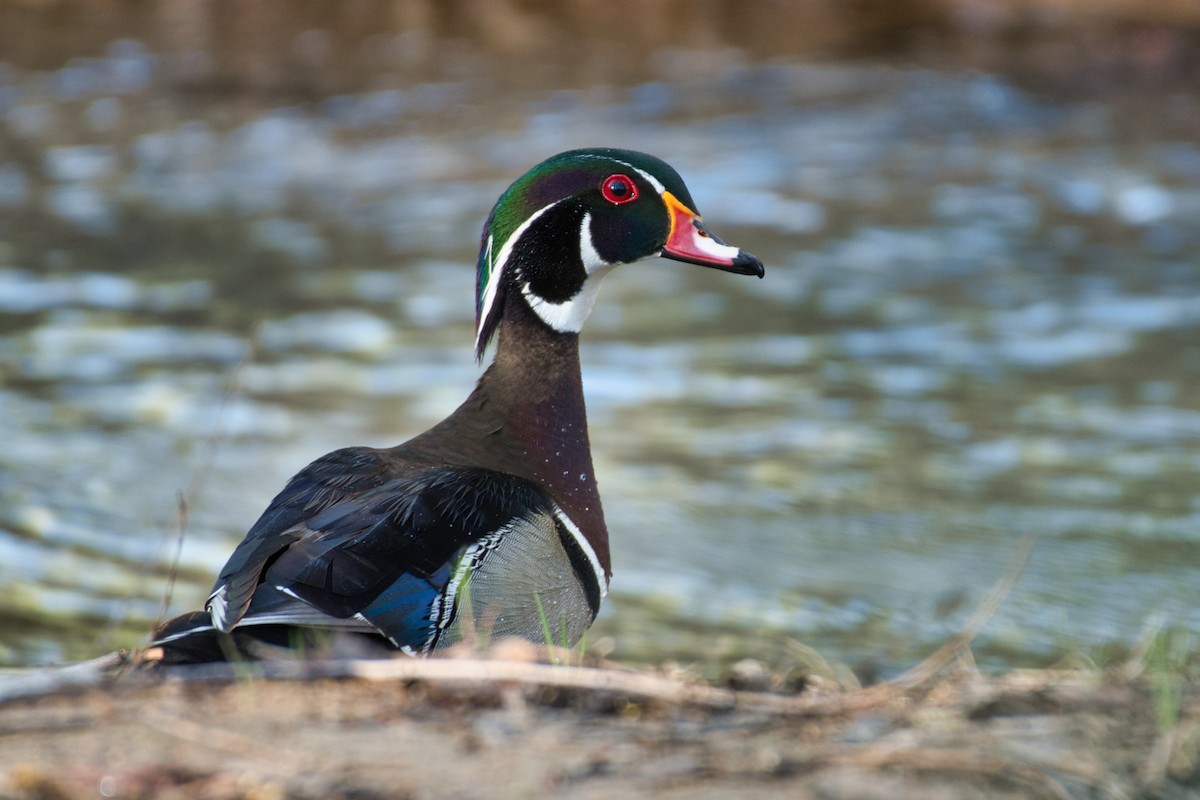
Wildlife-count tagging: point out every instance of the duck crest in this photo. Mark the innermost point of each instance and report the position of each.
(498, 503)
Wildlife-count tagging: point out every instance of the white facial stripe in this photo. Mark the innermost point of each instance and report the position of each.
(592, 262)
(653, 181)
(650, 179)
(497, 266)
(569, 315)
(581, 540)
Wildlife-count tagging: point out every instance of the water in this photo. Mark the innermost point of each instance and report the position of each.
(981, 320)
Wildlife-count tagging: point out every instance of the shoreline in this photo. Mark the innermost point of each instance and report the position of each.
(468, 728)
(1056, 45)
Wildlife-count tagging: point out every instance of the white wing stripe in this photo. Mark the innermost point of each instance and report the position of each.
(441, 611)
(218, 609)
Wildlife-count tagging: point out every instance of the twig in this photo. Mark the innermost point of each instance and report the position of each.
(35, 683)
(475, 672)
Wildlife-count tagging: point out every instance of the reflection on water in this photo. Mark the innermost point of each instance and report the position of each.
(981, 319)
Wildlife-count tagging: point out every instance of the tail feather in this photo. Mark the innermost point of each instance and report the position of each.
(191, 639)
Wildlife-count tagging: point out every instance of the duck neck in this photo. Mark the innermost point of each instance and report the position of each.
(527, 417)
(536, 385)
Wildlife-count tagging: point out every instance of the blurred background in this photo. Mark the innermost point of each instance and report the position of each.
(235, 235)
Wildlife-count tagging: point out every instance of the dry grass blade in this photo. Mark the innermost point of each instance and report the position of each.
(945, 655)
(196, 484)
(180, 526)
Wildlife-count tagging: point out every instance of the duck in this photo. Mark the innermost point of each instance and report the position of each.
(490, 522)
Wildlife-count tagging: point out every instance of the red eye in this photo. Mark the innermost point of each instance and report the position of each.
(618, 189)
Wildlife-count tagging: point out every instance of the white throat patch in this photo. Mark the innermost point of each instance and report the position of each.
(569, 315)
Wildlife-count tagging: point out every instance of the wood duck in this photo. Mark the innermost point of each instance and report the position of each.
(490, 521)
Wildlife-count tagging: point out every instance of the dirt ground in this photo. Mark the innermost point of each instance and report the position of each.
(514, 729)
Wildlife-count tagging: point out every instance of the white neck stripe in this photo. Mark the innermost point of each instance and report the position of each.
(586, 546)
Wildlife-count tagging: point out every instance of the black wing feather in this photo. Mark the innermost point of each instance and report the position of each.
(347, 529)
(408, 527)
(330, 479)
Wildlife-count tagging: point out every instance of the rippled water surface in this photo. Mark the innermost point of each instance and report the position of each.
(981, 319)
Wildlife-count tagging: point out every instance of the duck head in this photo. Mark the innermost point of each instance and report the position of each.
(554, 234)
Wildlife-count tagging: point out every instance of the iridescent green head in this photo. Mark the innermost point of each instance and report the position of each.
(561, 226)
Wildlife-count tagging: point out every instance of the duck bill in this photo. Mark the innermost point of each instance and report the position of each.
(690, 241)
